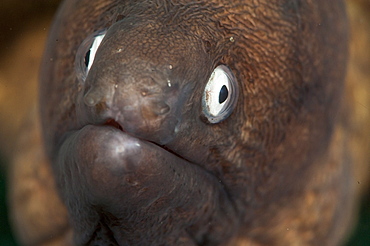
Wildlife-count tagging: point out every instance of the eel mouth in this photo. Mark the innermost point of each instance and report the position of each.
(113, 123)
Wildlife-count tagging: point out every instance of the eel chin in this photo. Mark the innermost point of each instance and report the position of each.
(127, 190)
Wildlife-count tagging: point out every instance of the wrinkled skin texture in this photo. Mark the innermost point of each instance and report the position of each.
(174, 179)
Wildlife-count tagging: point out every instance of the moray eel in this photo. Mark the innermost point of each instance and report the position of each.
(179, 122)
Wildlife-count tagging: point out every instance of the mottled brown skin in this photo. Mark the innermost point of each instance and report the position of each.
(257, 178)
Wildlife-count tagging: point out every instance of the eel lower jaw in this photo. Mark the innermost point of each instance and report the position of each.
(103, 170)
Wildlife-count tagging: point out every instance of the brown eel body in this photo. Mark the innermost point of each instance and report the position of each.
(131, 158)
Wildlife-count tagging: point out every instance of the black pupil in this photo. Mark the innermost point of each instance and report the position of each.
(223, 94)
(87, 58)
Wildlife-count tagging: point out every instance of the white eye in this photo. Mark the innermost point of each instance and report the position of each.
(220, 95)
(86, 53)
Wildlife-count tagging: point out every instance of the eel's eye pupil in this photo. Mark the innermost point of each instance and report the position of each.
(224, 92)
(87, 58)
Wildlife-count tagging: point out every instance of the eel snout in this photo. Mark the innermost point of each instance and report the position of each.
(145, 111)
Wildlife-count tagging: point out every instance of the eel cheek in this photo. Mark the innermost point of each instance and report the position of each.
(141, 193)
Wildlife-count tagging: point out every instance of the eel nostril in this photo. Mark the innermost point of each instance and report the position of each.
(151, 110)
(93, 97)
(90, 101)
(161, 108)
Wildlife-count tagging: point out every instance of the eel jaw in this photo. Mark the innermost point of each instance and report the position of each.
(110, 179)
